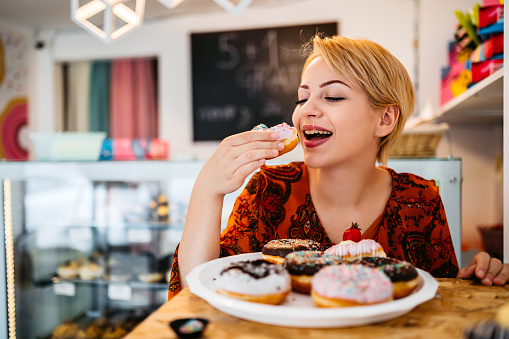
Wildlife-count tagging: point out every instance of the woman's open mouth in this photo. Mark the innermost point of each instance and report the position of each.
(315, 135)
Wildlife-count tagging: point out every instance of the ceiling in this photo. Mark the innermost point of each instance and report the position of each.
(55, 14)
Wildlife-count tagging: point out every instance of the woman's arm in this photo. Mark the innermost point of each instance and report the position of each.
(226, 170)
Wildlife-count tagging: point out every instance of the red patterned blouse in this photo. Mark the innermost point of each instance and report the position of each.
(276, 204)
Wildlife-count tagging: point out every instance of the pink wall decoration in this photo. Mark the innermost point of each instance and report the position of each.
(14, 74)
(12, 119)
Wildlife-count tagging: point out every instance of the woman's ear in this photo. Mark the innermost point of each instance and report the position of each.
(388, 121)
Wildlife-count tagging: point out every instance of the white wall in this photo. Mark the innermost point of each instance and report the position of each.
(480, 149)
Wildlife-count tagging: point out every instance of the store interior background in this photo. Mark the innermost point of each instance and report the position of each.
(395, 24)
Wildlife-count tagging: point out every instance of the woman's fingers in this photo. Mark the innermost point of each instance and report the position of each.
(503, 276)
(488, 270)
(250, 136)
(244, 144)
(482, 263)
(243, 172)
(247, 163)
(466, 272)
(494, 267)
(236, 157)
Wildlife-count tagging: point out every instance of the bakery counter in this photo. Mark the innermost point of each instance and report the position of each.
(456, 305)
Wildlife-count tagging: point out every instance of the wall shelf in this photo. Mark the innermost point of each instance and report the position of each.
(481, 104)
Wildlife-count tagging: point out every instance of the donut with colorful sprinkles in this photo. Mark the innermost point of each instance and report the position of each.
(286, 134)
(275, 251)
(350, 285)
(302, 265)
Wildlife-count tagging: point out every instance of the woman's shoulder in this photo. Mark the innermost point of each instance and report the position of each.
(411, 185)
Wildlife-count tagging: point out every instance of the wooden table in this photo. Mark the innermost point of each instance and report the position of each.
(457, 304)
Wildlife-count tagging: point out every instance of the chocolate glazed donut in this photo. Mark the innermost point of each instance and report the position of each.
(302, 265)
(403, 275)
(275, 251)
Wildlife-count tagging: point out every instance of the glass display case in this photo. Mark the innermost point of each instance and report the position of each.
(88, 246)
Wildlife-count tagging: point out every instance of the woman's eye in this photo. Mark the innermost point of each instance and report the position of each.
(334, 99)
(300, 102)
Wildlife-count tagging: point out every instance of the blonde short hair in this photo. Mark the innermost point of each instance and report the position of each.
(379, 73)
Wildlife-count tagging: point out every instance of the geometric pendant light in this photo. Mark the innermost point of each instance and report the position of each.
(171, 3)
(228, 5)
(117, 18)
(235, 10)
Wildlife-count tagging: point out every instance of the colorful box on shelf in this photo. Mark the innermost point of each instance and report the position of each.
(457, 76)
(488, 15)
(481, 70)
(492, 48)
(486, 3)
(134, 149)
(497, 27)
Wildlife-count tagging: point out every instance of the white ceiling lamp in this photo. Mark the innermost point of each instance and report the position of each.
(171, 3)
(235, 10)
(117, 18)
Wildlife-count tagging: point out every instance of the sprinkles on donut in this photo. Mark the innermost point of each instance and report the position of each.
(350, 285)
(276, 250)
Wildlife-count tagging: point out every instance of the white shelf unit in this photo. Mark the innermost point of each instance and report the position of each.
(481, 104)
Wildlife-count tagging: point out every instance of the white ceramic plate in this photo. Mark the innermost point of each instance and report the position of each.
(298, 309)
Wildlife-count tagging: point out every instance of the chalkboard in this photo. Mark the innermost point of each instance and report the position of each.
(243, 78)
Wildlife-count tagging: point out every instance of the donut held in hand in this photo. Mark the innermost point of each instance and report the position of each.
(276, 251)
(256, 281)
(350, 285)
(287, 135)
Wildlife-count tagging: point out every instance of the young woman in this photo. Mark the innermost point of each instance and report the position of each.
(353, 102)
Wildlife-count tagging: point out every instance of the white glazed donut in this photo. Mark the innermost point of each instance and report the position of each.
(257, 281)
(349, 250)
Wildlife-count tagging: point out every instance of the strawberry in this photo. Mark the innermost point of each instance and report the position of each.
(353, 233)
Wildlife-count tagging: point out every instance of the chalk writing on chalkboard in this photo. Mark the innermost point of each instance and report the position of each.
(246, 77)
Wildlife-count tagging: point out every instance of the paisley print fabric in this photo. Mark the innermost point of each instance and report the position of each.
(276, 204)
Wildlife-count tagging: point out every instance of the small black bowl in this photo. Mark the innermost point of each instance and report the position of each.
(189, 328)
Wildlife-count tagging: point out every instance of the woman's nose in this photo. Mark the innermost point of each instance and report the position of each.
(310, 109)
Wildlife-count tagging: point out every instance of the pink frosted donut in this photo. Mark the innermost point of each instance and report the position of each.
(350, 285)
(349, 250)
(286, 134)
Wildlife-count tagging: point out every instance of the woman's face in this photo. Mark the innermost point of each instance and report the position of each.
(334, 119)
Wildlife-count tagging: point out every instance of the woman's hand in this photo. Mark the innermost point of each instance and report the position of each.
(226, 170)
(489, 270)
(235, 159)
